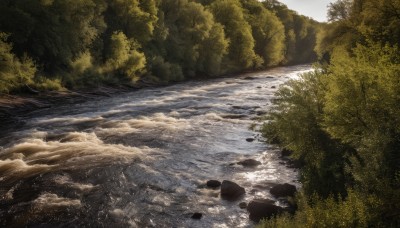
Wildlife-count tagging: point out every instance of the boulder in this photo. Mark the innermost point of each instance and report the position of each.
(197, 215)
(213, 184)
(243, 205)
(262, 208)
(249, 163)
(286, 153)
(283, 190)
(231, 191)
(294, 164)
(250, 139)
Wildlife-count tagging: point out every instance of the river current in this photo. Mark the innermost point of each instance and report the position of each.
(141, 159)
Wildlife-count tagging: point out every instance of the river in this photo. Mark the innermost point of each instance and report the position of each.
(141, 159)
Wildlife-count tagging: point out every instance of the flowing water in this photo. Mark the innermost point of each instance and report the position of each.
(141, 159)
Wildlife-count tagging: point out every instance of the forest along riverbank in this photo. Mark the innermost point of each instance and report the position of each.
(143, 158)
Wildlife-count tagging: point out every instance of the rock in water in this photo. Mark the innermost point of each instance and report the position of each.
(249, 163)
(231, 190)
(243, 205)
(283, 190)
(197, 215)
(250, 139)
(286, 153)
(262, 208)
(213, 184)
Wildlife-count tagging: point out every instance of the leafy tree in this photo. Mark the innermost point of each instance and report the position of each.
(124, 58)
(268, 32)
(300, 33)
(192, 40)
(296, 123)
(14, 72)
(52, 32)
(241, 53)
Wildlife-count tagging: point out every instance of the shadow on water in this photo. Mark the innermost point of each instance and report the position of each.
(142, 159)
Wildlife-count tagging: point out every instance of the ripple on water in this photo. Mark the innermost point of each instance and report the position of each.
(142, 159)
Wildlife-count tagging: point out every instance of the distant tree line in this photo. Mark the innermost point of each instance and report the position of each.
(342, 121)
(55, 44)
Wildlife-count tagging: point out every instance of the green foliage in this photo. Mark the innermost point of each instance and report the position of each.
(124, 58)
(79, 43)
(300, 33)
(296, 122)
(342, 121)
(241, 53)
(268, 32)
(360, 22)
(357, 210)
(14, 72)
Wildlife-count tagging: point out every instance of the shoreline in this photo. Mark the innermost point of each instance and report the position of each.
(15, 107)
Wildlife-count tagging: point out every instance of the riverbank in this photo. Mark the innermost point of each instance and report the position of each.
(17, 106)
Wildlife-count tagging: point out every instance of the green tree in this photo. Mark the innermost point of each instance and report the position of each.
(14, 72)
(268, 32)
(124, 58)
(241, 53)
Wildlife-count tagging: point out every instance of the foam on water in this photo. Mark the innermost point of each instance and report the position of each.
(141, 159)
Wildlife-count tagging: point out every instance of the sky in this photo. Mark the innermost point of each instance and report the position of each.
(312, 8)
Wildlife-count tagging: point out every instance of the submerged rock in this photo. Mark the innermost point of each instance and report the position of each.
(249, 163)
(250, 139)
(231, 191)
(197, 215)
(262, 208)
(283, 190)
(286, 153)
(243, 205)
(213, 184)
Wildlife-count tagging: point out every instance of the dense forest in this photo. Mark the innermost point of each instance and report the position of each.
(341, 121)
(58, 44)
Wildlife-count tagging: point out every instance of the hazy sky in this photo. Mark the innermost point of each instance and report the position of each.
(312, 8)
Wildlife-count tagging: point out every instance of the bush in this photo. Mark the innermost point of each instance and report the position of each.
(14, 72)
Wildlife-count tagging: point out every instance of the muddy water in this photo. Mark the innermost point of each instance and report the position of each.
(141, 159)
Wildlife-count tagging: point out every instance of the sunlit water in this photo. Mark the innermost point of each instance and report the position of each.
(141, 159)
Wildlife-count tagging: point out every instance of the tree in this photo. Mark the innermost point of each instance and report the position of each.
(14, 72)
(339, 10)
(268, 32)
(241, 53)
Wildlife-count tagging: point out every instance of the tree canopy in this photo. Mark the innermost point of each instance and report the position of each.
(342, 121)
(78, 43)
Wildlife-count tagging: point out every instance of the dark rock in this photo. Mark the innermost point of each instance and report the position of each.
(197, 215)
(286, 153)
(234, 116)
(294, 164)
(270, 77)
(259, 87)
(213, 184)
(249, 163)
(231, 190)
(249, 78)
(273, 87)
(262, 208)
(243, 205)
(283, 190)
(261, 112)
(250, 139)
